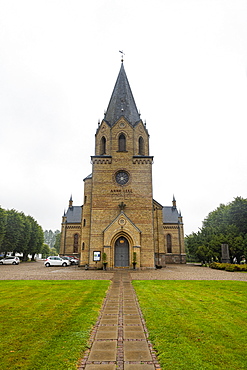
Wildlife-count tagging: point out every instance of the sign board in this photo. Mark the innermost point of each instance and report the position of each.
(96, 256)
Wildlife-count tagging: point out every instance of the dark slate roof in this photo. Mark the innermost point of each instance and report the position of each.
(88, 177)
(170, 215)
(122, 102)
(74, 214)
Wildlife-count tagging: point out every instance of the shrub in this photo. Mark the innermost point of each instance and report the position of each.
(242, 267)
(228, 266)
(213, 265)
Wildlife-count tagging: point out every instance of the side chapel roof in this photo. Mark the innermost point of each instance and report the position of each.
(74, 214)
(170, 215)
(122, 102)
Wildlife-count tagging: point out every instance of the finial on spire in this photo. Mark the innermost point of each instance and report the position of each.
(71, 202)
(174, 205)
(121, 51)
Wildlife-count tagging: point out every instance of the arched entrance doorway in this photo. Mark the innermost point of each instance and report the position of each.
(121, 254)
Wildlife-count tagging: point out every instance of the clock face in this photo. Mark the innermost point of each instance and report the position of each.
(122, 177)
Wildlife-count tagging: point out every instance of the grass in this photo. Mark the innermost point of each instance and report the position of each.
(45, 325)
(196, 324)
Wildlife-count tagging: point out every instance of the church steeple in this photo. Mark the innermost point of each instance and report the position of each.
(122, 102)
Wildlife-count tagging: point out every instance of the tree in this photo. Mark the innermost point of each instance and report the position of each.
(3, 223)
(225, 225)
(237, 214)
(19, 233)
(37, 238)
(50, 237)
(14, 229)
(23, 242)
(45, 250)
(204, 254)
(57, 242)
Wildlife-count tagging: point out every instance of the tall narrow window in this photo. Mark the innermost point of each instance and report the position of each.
(169, 243)
(83, 246)
(122, 143)
(103, 146)
(141, 146)
(76, 241)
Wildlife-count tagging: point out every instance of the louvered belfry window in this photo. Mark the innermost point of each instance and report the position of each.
(103, 146)
(141, 146)
(122, 143)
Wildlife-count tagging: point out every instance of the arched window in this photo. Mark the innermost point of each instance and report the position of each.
(83, 246)
(141, 146)
(169, 243)
(122, 143)
(76, 241)
(103, 146)
(84, 222)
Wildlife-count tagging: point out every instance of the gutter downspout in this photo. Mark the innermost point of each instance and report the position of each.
(179, 239)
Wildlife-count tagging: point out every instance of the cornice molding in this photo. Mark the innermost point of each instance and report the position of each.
(139, 159)
(101, 159)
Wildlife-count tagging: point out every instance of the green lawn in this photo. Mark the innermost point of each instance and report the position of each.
(45, 325)
(196, 325)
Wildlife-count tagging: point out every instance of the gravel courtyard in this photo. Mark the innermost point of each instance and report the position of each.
(37, 271)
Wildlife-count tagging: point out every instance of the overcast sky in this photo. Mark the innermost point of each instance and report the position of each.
(186, 61)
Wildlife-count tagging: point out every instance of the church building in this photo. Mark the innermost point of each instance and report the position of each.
(119, 222)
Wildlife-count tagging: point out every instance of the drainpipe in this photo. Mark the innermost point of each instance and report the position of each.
(158, 244)
(179, 239)
(64, 243)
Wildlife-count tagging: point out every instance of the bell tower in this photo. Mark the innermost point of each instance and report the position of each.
(120, 224)
(118, 218)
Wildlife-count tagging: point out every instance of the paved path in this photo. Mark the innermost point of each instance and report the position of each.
(37, 271)
(119, 339)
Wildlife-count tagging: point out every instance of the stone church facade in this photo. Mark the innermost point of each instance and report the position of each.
(119, 221)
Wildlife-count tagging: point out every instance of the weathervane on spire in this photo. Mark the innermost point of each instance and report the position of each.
(122, 55)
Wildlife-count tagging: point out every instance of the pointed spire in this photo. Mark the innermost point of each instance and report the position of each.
(71, 202)
(64, 216)
(174, 203)
(122, 102)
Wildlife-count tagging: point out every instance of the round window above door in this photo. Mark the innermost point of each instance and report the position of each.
(122, 177)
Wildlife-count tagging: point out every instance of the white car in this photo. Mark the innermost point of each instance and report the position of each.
(73, 260)
(10, 260)
(56, 261)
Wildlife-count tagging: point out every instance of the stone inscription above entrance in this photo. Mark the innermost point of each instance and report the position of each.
(118, 191)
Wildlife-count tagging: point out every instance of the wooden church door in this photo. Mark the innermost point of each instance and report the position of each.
(122, 252)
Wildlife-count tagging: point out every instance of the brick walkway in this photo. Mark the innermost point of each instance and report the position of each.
(119, 339)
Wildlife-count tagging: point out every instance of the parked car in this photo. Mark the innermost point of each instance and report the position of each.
(56, 261)
(10, 260)
(73, 260)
